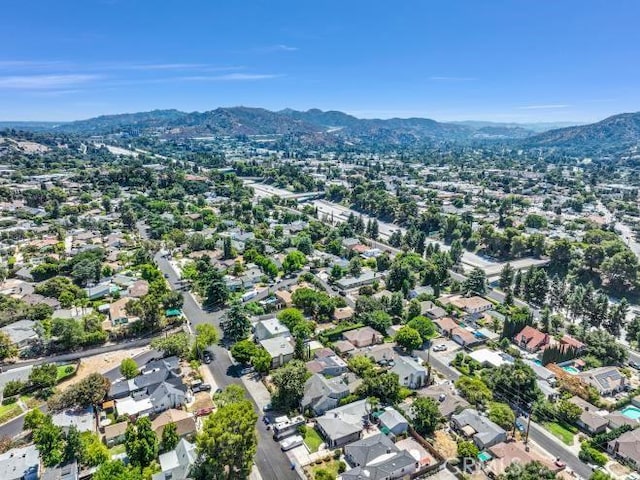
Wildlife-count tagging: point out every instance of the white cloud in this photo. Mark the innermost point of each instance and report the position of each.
(44, 82)
(544, 107)
(230, 77)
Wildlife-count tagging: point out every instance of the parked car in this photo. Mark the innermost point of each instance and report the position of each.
(200, 387)
(440, 348)
(206, 358)
(267, 408)
(635, 365)
(291, 442)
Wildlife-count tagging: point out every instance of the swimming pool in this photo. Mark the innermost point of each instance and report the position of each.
(484, 456)
(571, 370)
(631, 412)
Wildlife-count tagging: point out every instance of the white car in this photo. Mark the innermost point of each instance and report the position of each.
(291, 442)
(440, 348)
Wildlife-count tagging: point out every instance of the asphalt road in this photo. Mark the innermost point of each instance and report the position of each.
(272, 463)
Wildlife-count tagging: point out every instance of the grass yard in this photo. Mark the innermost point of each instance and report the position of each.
(7, 412)
(117, 450)
(312, 439)
(65, 371)
(563, 432)
(331, 466)
(30, 402)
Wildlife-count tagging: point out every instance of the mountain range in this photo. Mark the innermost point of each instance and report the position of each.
(615, 134)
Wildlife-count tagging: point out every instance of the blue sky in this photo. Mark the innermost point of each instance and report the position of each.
(519, 60)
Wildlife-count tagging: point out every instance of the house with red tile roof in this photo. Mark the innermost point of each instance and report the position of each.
(531, 339)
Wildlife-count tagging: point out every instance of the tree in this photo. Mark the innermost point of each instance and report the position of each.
(89, 391)
(170, 437)
(294, 261)
(261, 361)
(531, 471)
(141, 443)
(243, 351)
(7, 348)
(129, 368)
(355, 267)
(569, 411)
(236, 324)
(176, 344)
(474, 390)
(50, 442)
(289, 380)
(424, 326)
(227, 443)
(621, 270)
(206, 335)
(232, 394)
(227, 250)
(362, 366)
(117, 470)
(385, 387)
(34, 419)
(43, 376)
(605, 347)
(409, 338)
(600, 475)
(73, 448)
(476, 281)
(378, 320)
(467, 449)
(516, 382)
(426, 416)
(290, 317)
(94, 452)
(68, 331)
(506, 277)
(633, 330)
(502, 414)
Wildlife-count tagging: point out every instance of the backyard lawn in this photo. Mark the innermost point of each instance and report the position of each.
(312, 439)
(563, 432)
(330, 466)
(117, 450)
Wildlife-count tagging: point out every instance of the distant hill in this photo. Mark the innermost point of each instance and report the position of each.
(613, 134)
(314, 125)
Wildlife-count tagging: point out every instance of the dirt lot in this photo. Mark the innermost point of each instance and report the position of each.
(101, 363)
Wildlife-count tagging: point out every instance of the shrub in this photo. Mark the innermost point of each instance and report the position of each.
(336, 454)
(342, 467)
(13, 387)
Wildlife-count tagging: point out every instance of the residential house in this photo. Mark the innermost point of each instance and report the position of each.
(118, 312)
(483, 431)
(473, 305)
(322, 394)
(466, 338)
(627, 447)
(607, 380)
(138, 289)
(367, 277)
(392, 421)
(378, 458)
(114, 434)
(280, 349)
(270, 328)
(344, 347)
(504, 454)
(20, 464)
(83, 419)
(445, 325)
(168, 395)
(569, 341)
(184, 421)
(434, 312)
(617, 419)
(343, 313)
(590, 420)
(449, 402)
(343, 425)
(176, 464)
(410, 373)
(99, 291)
(531, 339)
(542, 373)
(284, 298)
(331, 365)
(67, 471)
(22, 333)
(363, 337)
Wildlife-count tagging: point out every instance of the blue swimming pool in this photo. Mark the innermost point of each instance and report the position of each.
(631, 412)
(571, 370)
